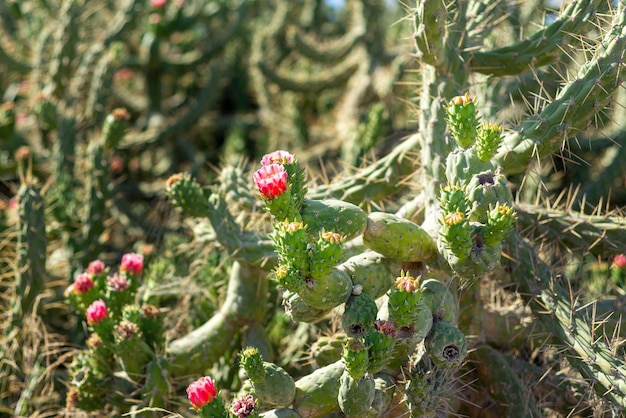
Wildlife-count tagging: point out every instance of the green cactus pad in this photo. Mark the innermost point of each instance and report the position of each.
(397, 238)
(333, 215)
(373, 271)
(355, 357)
(384, 389)
(327, 292)
(328, 349)
(422, 323)
(359, 315)
(461, 165)
(277, 389)
(446, 345)
(316, 393)
(442, 303)
(355, 396)
(484, 190)
(482, 259)
(381, 343)
(299, 311)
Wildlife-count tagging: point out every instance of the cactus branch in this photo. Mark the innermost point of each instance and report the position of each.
(574, 107)
(590, 355)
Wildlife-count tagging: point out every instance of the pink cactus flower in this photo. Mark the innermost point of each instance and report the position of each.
(271, 180)
(132, 264)
(96, 312)
(83, 283)
(117, 282)
(277, 157)
(159, 4)
(243, 407)
(619, 261)
(201, 392)
(95, 267)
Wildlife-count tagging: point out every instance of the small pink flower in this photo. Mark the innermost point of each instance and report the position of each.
(96, 312)
(271, 180)
(117, 282)
(159, 4)
(95, 267)
(83, 283)
(132, 264)
(243, 407)
(619, 261)
(201, 392)
(277, 157)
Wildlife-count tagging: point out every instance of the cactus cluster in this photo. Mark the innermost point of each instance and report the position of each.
(451, 268)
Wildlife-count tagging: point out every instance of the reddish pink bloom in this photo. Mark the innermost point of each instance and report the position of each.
(82, 283)
(132, 264)
(158, 4)
(201, 392)
(271, 180)
(96, 312)
(95, 267)
(277, 157)
(619, 261)
(117, 282)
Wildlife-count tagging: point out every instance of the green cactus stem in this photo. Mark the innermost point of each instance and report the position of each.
(397, 238)
(272, 385)
(543, 134)
(600, 235)
(446, 345)
(485, 190)
(327, 292)
(328, 349)
(404, 299)
(355, 396)
(593, 359)
(325, 254)
(542, 48)
(381, 340)
(290, 242)
(333, 215)
(203, 346)
(316, 393)
(359, 314)
(31, 248)
(372, 271)
(187, 195)
(507, 389)
(157, 385)
(299, 311)
(355, 357)
(440, 300)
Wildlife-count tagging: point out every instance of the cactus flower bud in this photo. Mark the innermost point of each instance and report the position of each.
(404, 301)
(500, 221)
(271, 180)
(453, 199)
(277, 157)
(252, 363)
(95, 268)
(96, 312)
(325, 254)
(619, 261)
(201, 392)
(355, 357)
(488, 141)
(132, 264)
(187, 195)
(83, 283)
(462, 120)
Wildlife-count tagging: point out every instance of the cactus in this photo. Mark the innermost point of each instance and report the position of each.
(345, 291)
